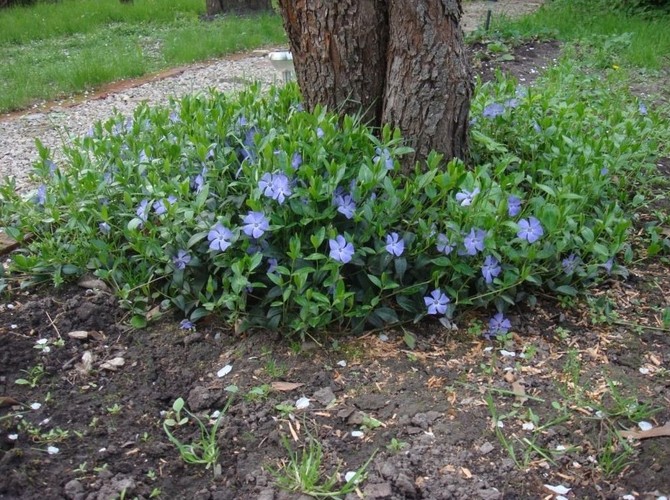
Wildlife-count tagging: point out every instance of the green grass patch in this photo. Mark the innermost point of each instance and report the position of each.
(52, 50)
(642, 41)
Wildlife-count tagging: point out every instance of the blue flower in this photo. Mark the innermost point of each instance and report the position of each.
(530, 230)
(345, 205)
(199, 181)
(172, 199)
(493, 110)
(265, 184)
(608, 265)
(220, 238)
(394, 244)
(436, 302)
(319, 132)
(513, 206)
(466, 197)
(104, 228)
(490, 269)
(255, 224)
(174, 117)
(385, 156)
(444, 245)
(474, 241)
(511, 103)
(281, 188)
(537, 128)
(604, 171)
(570, 264)
(341, 250)
(144, 158)
(642, 108)
(181, 259)
(186, 324)
(41, 195)
(296, 160)
(143, 210)
(159, 207)
(498, 325)
(272, 265)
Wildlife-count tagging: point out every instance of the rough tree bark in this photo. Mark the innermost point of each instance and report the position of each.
(215, 7)
(400, 62)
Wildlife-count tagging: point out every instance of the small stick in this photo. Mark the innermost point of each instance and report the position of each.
(53, 324)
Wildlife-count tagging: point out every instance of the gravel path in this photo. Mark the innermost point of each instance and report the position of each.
(57, 124)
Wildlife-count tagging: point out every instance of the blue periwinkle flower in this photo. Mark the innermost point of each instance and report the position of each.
(490, 269)
(498, 325)
(143, 210)
(570, 264)
(182, 259)
(296, 160)
(642, 109)
(474, 241)
(493, 110)
(272, 265)
(513, 206)
(220, 238)
(319, 132)
(341, 250)
(345, 205)
(385, 156)
(608, 265)
(255, 224)
(159, 207)
(185, 324)
(466, 197)
(436, 302)
(394, 244)
(530, 230)
(41, 195)
(444, 245)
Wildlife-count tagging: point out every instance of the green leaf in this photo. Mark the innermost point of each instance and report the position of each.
(138, 321)
(410, 339)
(567, 290)
(387, 314)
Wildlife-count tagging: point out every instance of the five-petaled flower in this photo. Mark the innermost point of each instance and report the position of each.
(490, 269)
(385, 156)
(530, 230)
(436, 302)
(341, 250)
(474, 241)
(220, 238)
(142, 211)
(498, 325)
(255, 224)
(296, 160)
(513, 206)
(466, 197)
(570, 264)
(345, 205)
(394, 244)
(182, 259)
(493, 110)
(186, 324)
(444, 245)
(276, 186)
(159, 207)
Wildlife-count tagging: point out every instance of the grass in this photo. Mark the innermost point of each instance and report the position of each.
(53, 50)
(644, 41)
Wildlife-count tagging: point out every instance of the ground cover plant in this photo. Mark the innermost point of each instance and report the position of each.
(251, 208)
(55, 49)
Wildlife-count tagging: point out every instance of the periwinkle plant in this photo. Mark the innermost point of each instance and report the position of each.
(268, 215)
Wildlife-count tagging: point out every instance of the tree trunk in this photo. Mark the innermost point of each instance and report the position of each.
(215, 7)
(400, 62)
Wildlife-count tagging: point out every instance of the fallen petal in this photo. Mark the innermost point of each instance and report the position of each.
(302, 403)
(224, 371)
(559, 490)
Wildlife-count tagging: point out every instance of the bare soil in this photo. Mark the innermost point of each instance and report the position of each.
(441, 399)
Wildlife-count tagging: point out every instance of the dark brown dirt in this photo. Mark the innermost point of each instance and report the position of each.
(441, 398)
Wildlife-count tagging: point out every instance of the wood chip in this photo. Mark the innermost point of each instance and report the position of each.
(78, 334)
(285, 386)
(519, 391)
(113, 364)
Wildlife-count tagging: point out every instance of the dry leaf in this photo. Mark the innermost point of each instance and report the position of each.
(664, 430)
(7, 401)
(519, 391)
(113, 364)
(78, 334)
(466, 472)
(285, 386)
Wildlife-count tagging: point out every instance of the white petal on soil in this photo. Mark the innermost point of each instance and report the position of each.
(41, 341)
(559, 490)
(600, 414)
(12, 437)
(35, 406)
(488, 349)
(349, 476)
(644, 425)
(52, 450)
(10, 306)
(500, 424)
(628, 497)
(216, 414)
(560, 497)
(507, 354)
(560, 447)
(13, 326)
(644, 371)
(302, 403)
(383, 337)
(528, 426)
(224, 371)
(357, 434)
(342, 363)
